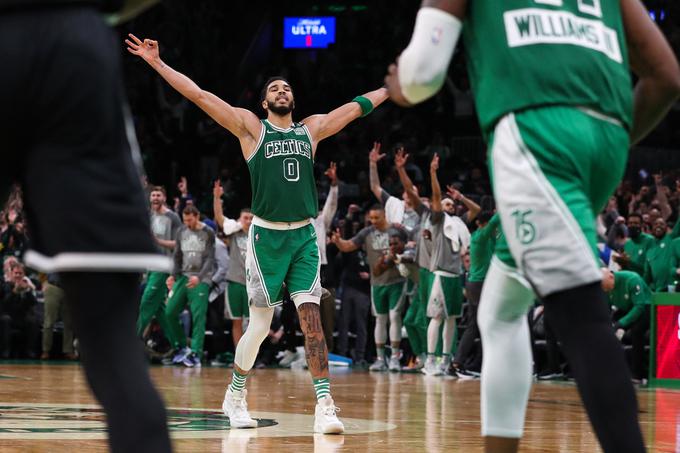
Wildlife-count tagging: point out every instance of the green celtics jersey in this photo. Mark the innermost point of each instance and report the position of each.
(282, 174)
(530, 53)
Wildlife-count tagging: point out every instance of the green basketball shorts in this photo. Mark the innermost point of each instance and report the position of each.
(388, 298)
(236, 301)
(553, 169)
(282, 253)
(446, 297)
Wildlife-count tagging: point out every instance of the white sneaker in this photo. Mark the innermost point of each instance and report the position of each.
(288, 358)
(431, 369)
(236, 408)
(325, 420)
(394, 364)
(378, 365)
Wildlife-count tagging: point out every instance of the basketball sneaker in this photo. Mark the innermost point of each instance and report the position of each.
(393, 364)
(378, 365)
(325, 418)
(236, 408)
(431, 368)
(288, 358)
(178, 358)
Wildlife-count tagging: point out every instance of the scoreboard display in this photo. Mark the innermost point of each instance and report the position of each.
(308, 32)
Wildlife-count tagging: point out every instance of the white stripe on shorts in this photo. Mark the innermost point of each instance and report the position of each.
(558, 256)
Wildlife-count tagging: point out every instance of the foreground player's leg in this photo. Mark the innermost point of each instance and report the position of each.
(234, 405)
(507, 362)
(325, 419)
(580, 319)
(114, 361)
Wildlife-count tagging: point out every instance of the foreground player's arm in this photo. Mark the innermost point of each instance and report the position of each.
(324, 126)
(653, 61)
(436, 203)
(421, 68)
(240, 122)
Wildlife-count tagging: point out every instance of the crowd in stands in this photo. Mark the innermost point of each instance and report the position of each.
(389, 217)
(382, 250)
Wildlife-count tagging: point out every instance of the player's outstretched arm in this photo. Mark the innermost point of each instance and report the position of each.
(400, 162)
(240, 122)
(344, 245)
(436, 203)
(374, 157)
(653, 61)
(326, 125)
(421, 68)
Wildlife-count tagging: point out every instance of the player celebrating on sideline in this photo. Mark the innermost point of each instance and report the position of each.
(282, 244)
(558, 136)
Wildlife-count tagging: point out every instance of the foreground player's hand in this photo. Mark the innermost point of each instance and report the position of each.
(170, 282)
(394, 88)
(619, 333)
(147, 49)
(193, 282)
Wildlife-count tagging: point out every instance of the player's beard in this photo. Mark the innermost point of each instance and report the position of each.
(280, 110)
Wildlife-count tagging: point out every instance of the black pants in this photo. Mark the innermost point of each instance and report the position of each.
(354, 311)
(638, 333)
(64, 139)
(19, 336)
(467, 341)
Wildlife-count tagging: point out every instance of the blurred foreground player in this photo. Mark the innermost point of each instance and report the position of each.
(282, 243)
(558, 122)
(64, 139)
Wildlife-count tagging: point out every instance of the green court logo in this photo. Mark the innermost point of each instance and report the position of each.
(58, 419)
(525, 231)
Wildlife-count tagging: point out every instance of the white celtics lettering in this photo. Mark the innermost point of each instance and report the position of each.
(309, 27)
(287, 147)
(530, 26)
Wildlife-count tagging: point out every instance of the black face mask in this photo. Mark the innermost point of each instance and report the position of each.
(634, 232)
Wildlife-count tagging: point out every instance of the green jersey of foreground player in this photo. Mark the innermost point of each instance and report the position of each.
(282, 244)
(553, 94)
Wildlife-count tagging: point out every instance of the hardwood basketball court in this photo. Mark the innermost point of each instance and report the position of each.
(48, 407)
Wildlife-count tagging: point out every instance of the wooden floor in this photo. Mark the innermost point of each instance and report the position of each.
(47, 407)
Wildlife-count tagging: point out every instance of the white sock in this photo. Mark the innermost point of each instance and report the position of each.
(507, 363)
(433, 334)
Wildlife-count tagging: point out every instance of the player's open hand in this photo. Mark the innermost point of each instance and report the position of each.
(147, 49)
(434, 164)
(336, 236)
(453, 193)
(400, 158)
(374, 155)
(393, 86)
(218, 191)
(332, 174)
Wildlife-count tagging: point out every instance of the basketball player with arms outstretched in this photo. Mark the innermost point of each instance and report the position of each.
(553, 94)
(282, 244)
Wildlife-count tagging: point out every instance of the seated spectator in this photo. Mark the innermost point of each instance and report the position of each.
(55, 305)
(17, 316)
